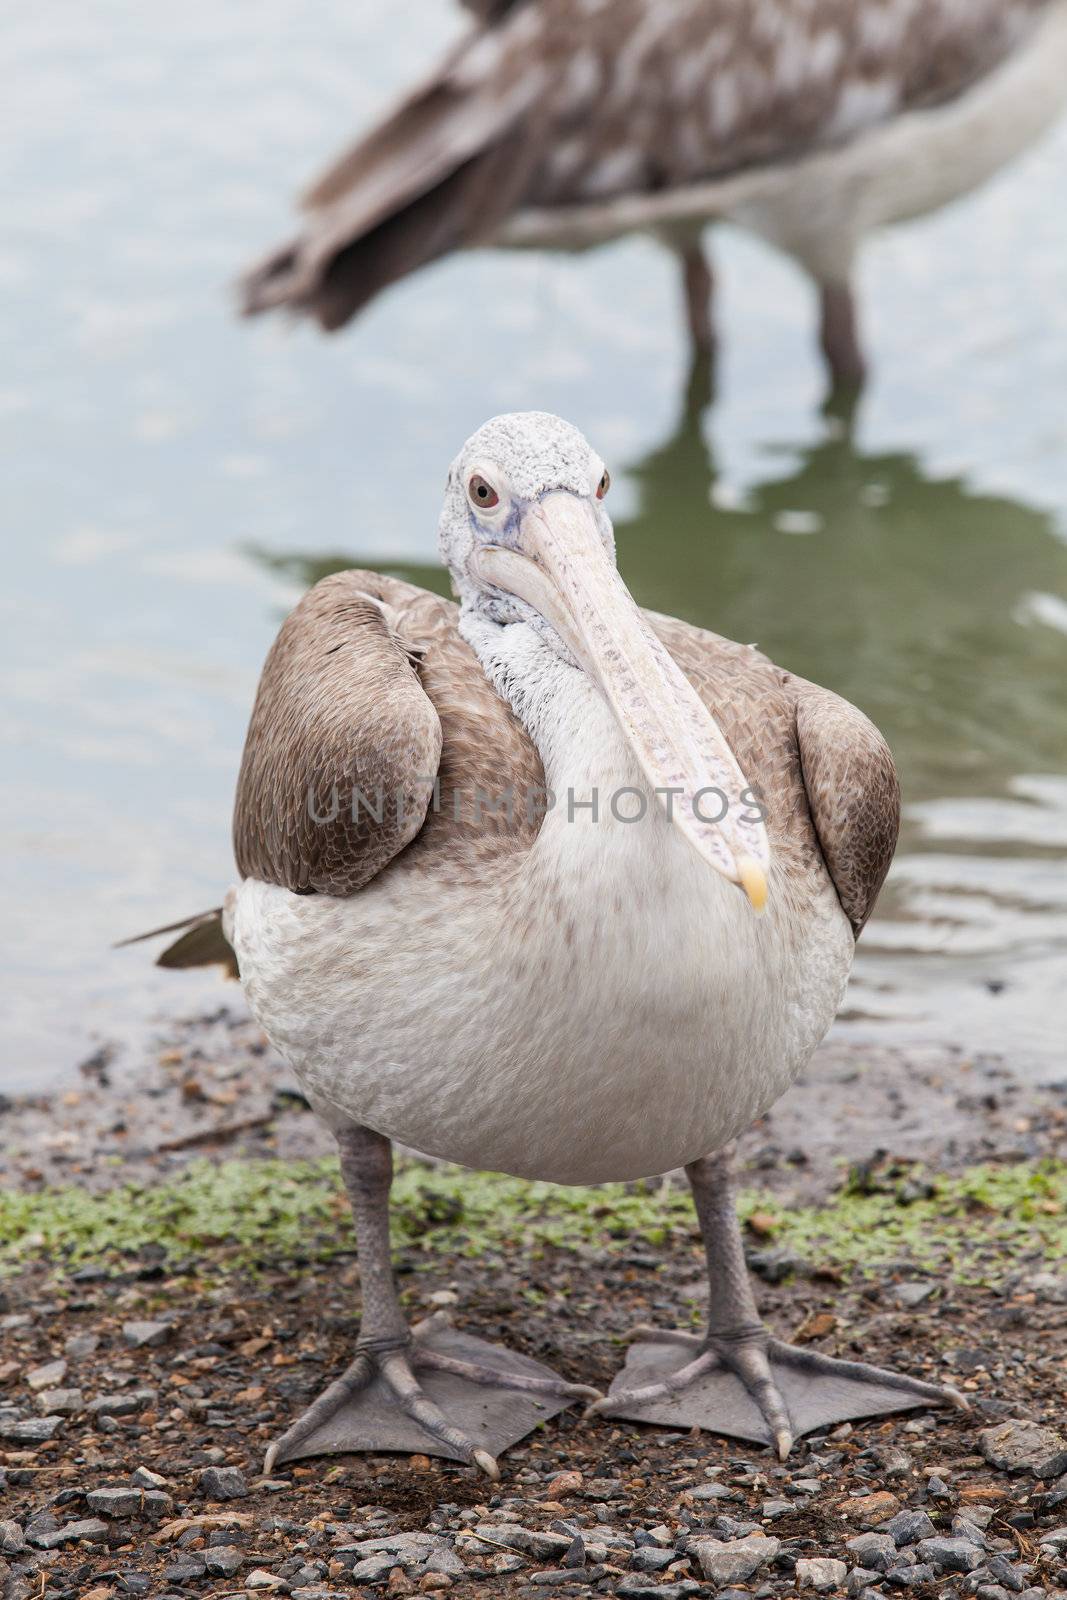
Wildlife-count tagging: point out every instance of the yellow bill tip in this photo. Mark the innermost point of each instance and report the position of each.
(753, 882)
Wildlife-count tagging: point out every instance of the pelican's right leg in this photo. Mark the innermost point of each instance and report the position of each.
(431, 1388)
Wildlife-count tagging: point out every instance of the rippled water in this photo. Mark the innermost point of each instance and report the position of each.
(173, 478)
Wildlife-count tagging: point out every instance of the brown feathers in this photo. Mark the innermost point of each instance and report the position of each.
(559, 103)
(341, 708)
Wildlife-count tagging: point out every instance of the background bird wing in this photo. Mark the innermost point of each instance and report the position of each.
(559, 103)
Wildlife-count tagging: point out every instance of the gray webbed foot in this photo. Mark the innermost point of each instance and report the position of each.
(755, 1387)
(441, 1392)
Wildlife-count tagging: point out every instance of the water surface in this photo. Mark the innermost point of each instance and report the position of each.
(173, 478)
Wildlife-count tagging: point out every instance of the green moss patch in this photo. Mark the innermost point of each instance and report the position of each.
(246, 1213)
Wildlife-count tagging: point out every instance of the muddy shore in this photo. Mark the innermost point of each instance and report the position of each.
(130, 1459)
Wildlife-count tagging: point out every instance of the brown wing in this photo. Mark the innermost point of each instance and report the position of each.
(854, 795)
(369, 695)
(555, 103)
(342, 748)
(823, 771)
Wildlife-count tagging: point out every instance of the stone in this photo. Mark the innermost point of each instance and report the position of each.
(964, 1528)
(860, 1579)
(223, 1561)
(1025, 1447)
(735, 1560)
(50, 1376)
(541, 1546)
(915, 1577)
(373, 1570)
(114, 1502)
(80, 1345)
(139, 1335)
(261, 1579)
(187, 1567)
(907, 1527)
(876, 1551)
(12, 1539)
(563, 1483)
(820, 1573)
(649, 1559)
(713, 1491)
(1003, 1572)
(30, 1430)
(950, 1555)
(770, 1509)
(634, 1588)
(61, 1402)
(123, 1404)
(222, 1483)
(443, 1559)
(913, 1293)
(978, 1516)
(870, 1510)
(90, 1528)
(145, 1478)
(134, 1583)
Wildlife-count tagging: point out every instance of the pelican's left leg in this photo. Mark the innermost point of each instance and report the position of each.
(737, 1379)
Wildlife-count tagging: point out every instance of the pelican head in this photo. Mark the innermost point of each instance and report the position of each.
(527, 538)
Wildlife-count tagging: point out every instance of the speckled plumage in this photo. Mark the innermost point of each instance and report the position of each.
(552, 110)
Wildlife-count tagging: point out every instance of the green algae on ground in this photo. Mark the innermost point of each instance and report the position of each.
(244, 1213)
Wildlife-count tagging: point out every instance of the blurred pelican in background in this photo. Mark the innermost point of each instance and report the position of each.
(565, 123)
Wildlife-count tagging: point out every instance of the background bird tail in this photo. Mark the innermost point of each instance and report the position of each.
(438, 174)
(202, 943)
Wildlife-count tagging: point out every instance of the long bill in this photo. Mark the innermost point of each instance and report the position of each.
(561, 567)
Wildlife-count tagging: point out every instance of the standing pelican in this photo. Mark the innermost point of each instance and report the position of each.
(567, 122)
(547, 885)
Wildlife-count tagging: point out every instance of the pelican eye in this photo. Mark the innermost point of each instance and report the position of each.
(482, 494)
(604, 485)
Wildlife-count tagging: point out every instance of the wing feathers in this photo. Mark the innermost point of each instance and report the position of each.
(853, 793)
(342, 749)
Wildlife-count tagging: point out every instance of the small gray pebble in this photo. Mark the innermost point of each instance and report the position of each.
(908, 1527)
(223, 1483)
(950, 1555)
(223, 1561)
(12, 1539)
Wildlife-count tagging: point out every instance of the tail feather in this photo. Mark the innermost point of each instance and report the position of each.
(202, 944)
(441, 172)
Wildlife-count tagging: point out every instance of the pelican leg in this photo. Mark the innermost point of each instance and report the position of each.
(737, 1379)
(431, 1389)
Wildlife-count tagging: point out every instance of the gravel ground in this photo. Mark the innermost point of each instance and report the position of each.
(135, 1409)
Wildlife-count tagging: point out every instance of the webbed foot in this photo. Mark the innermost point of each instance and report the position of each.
(755, 1387)
(438, 1392)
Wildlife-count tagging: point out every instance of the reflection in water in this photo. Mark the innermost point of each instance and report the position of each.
(934, 609)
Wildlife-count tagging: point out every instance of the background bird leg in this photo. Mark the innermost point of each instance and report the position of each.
(443, 1391)
(839, 335)
(699, 284)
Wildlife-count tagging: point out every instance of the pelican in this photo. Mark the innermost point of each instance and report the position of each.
(564, 123)
(545, 884)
